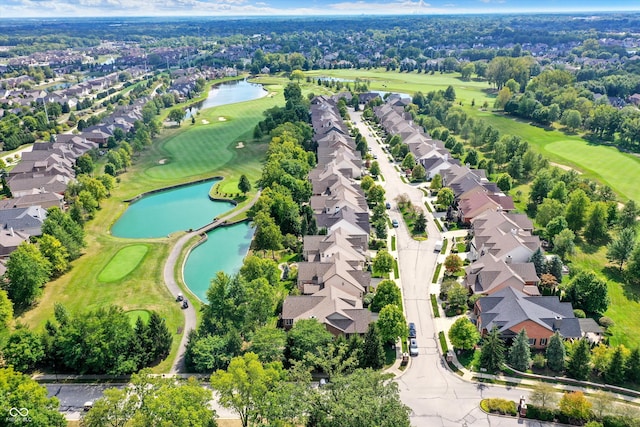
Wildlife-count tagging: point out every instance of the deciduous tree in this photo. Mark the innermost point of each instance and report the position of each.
(577, 210)
(27, 270)
(243, 386)
(387, 292)
(269, 343)
(543, 394)
(597, 228)
(587, 292)
(383, 262)
(364, 398)
(306, 336)
(563, 243)
(619, 249)
(464, 334)
(20, 391)
(575, 406)
(391, 323)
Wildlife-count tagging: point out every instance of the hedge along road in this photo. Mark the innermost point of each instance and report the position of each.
(190, 320)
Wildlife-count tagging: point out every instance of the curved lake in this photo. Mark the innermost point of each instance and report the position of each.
(224, 250)
(229, 93)
(166, 212)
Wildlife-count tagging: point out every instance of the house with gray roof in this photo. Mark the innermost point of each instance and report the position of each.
(340, 312)
(17, 225)
(510, 311)
(490, 274)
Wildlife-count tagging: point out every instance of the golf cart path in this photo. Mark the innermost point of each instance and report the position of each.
(174, 289)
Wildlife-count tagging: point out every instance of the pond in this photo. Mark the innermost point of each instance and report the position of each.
(165, 212)
(224, 250)
(229, 93)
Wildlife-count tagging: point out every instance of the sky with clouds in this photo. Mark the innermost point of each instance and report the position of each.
(78, 8)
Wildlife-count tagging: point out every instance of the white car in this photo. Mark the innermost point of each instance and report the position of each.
(413, 347)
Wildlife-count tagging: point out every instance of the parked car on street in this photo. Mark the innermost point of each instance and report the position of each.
(413, 347)
(395, 223)
(412, 330)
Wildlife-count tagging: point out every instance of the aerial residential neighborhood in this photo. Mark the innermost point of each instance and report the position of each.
(420, 216)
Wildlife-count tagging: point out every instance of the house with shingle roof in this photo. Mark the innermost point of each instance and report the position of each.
(17, 225)
(340, 312)
(510, 311)
(490, 274)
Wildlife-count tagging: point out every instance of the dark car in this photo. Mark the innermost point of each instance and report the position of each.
(412, 330)
(185, 303)
(387, 205)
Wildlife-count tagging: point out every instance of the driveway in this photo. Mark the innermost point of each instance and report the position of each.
(436, 396)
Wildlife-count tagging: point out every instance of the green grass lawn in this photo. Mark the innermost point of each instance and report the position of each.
(625, 297)
(192, 152)
(134, 314)
(123, 263)
(410, 83)
(605, 164)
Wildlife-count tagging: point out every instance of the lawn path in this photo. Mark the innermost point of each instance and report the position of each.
(174, 289)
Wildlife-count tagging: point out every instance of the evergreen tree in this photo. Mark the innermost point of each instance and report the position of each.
(159, 336)
(579, 365)
(372, 351)
(244, 185)
(556, 353)
(520, 353)
(537, 258)
(421, 223)
(633, 365)
(616, 370)
(492, 353)
(141, 345)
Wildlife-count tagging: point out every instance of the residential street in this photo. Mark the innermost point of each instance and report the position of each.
(437, 396)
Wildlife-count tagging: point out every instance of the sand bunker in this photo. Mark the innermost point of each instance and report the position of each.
(564, 167)
(205, 122)
(240, 145)
(222, 119)
(162, 161)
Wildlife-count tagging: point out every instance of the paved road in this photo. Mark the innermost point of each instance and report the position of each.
(436, 396)
(172, 285)
(73, 396)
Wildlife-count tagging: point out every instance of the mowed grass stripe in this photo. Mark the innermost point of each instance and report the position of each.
(621, 172)
(123, 262)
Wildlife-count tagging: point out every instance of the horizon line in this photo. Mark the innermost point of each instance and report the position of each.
(425, 13)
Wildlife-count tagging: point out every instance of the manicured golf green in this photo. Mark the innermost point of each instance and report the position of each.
(123, 262)
(134, 314)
